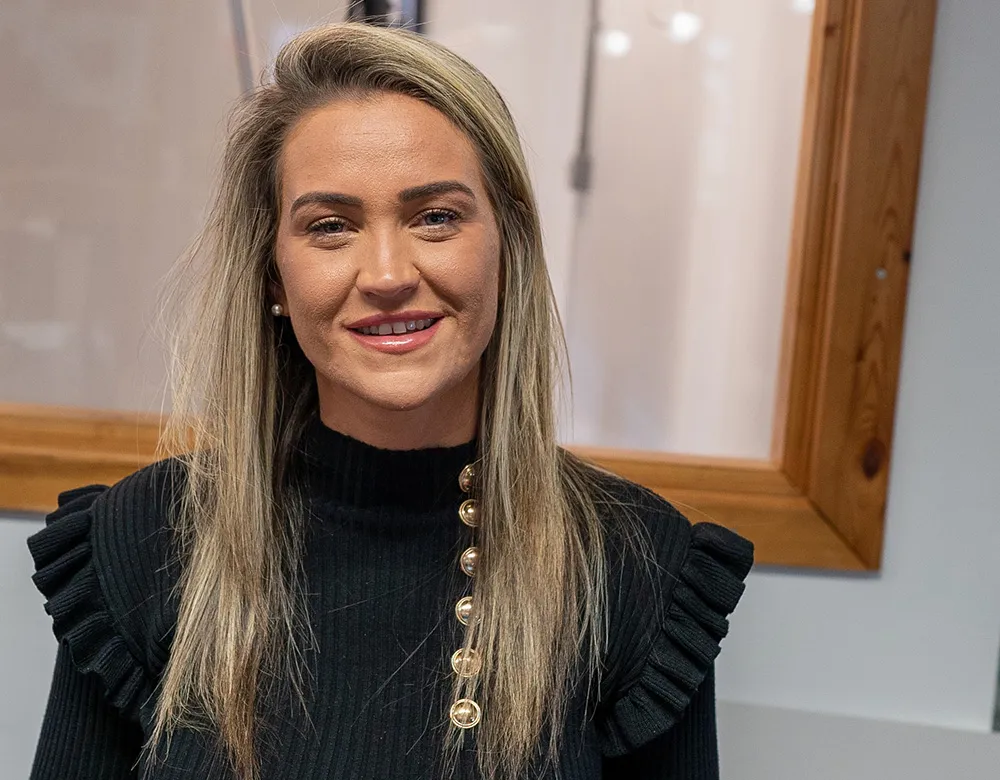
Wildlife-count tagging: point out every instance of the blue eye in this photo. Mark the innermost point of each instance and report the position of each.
(327, 227)
(439, 217)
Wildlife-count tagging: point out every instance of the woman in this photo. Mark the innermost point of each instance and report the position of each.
(374, 561)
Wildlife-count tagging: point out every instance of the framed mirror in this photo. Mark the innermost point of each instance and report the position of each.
(728, 203)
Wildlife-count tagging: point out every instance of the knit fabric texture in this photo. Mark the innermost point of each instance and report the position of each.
(382, 579)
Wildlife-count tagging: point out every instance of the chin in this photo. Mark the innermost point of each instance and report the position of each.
(397, 393)
(392, 402)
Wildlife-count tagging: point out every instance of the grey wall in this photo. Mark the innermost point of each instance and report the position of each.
(829, 678)
(767, 743)
(27, 650)
(919, 642)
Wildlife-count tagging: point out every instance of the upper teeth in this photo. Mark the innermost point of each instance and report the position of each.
(401, 326)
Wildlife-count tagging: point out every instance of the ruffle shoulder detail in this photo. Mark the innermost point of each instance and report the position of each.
(686, 641)
(66, 575)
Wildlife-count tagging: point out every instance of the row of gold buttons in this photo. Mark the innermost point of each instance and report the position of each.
(465, 713)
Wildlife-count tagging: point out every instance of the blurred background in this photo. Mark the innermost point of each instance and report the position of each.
(114, 126)
(682, 116)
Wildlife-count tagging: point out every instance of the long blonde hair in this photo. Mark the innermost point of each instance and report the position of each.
(242, 390)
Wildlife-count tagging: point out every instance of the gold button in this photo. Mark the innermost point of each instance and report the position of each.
(469, 560)
(466, 663)
(466, 477)
(463, 610)
(465, 713)
(469, 512)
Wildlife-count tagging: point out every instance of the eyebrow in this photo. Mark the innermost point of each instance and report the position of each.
(324, 198)
(434, 188)
(406, 196)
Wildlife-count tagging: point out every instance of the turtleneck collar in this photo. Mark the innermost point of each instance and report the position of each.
(348, 471)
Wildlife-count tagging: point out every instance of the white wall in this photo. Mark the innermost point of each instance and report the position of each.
(27, 650)
(766, 743)
(919, 642)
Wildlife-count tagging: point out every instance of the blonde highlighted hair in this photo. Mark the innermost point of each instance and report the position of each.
(242, 390)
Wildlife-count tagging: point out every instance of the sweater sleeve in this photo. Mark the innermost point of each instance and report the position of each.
(688, 751)
(101, 563)
(668, 616)
(69, 575)
(83, 736)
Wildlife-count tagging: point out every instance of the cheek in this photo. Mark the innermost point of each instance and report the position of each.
(314, 290)
(476, 287)
(489, 283)
(489, 309)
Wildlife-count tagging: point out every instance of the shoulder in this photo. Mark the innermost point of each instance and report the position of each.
(131, 523)
(671, 588)
(649, 541)
(103, 562)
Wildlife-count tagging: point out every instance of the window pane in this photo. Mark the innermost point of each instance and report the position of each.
(112, 120)
(670, 269)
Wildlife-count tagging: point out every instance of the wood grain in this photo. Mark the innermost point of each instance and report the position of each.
(827, 85)
(685, 472)
(849, 259)
(47, 449)
(872, 230)
(753, 498)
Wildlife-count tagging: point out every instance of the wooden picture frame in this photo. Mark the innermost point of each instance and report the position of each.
(819, 500)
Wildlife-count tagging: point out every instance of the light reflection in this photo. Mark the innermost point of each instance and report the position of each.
(616, 43)
(684, 27)
(804, 6)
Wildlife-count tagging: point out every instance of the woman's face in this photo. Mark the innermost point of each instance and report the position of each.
(389, 259)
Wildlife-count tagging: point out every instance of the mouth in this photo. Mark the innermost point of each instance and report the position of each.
(396, 327)
(396, 334)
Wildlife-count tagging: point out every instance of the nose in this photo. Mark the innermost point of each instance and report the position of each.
(387, 270)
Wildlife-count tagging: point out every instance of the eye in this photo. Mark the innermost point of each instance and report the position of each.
(327, 227)
(438, 217)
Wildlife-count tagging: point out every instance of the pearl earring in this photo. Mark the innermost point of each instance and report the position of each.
(277, 310)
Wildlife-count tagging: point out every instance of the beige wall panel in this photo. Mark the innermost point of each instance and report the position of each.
(110, 130)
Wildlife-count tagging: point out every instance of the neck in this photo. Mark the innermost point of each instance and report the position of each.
(341, 469)
(448, 419)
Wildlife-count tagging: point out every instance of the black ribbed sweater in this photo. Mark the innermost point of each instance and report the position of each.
(382, 579)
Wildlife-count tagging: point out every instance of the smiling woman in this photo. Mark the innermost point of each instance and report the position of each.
(367, 555)
(385, 221)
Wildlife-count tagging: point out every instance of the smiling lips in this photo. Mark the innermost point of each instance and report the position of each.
(397, 327)
(396, 336)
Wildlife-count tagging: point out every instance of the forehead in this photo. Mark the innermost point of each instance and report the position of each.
(382, 142)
